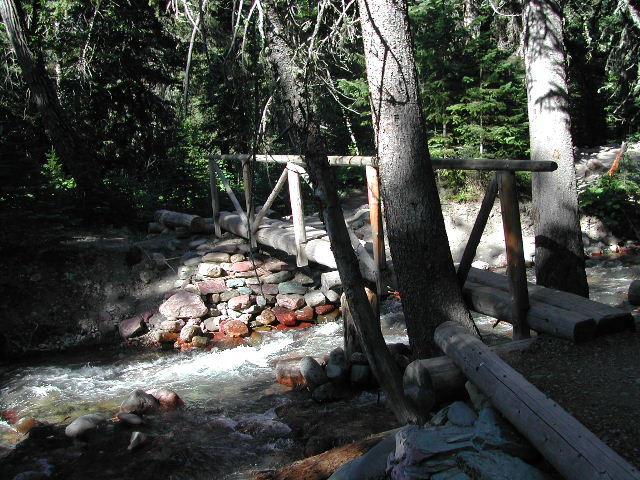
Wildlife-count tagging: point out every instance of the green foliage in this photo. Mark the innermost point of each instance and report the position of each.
(616, 200)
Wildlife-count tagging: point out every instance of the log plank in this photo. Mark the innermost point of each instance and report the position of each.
(567, 444)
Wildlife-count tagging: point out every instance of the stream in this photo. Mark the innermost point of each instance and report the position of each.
(228, 425)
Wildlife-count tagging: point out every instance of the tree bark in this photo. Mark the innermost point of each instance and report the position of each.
(559, 251)
(73, 152)
(415, 226)
(307, 137)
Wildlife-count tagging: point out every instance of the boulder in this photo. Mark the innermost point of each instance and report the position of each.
(212, 286)
(285, 316)
(290, 302)
(184, 305)
(240, 302)
(236, 328)
(167, 398)
(315, 298)
(360, 376)
(131, 327)
(139, 402)
(83, 425)
(278, 277)
(312, 372)
(292, 288)
(337, 368)
(216, 257)
(210, 270)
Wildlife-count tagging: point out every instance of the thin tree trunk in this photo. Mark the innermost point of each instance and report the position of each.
(308, 139)
(559, 255)
(73, 152)
(415, 226)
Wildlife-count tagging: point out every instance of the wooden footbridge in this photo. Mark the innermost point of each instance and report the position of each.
(508, 298)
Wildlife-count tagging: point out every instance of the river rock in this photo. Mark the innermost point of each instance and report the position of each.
(237, 257)
(139, 402)
(315, 298)
(212, 286)
(167, 398)
(332, 295)
(216, 257)
(274, 265)
(172, 326)
(131, 327)
(200, 342)
(290, 302)
(155, 320)
(240, 302)
(330, 280)
(324, 309)
(337, 368)
(278, 277)
(188, 332)
(212, 324)
(267, 317)
(225, 248)
(312, 372)
(459, 413)
(329, 317)
(226, 296)
(197, 242)
(292, 288)
(360, 376)
(191, 288)
(327, 392)
(81, 426)
(258, 272)
(244, 290)
(235, 282)
(266, 289)
(496, 465)
(210, 270)
(138, 439)
(236, 328)
(184, 305)
(129, 418)
(185, 272)
(285, 316)
(305, 314)
(303, 279)
(244, 266)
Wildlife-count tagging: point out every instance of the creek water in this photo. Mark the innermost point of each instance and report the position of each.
(230, 396)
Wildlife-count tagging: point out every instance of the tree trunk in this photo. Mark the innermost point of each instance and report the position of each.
(559, 251)
(74, 154)
(415, 226)
(306, 133)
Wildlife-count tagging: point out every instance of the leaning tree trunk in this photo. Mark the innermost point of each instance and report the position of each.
(559, 250)
(307, 137)
(415, 226)
(73, 153)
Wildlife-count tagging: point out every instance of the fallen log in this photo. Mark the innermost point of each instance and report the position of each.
(447, 380)
(176, 219)
(322, 466)
(567, 444)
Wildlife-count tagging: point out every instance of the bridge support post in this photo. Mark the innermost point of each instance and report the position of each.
(215, 199)
(297, 215)
(377, 231)
(516, 269)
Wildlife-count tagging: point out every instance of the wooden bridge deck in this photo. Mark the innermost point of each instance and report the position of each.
(552, 312)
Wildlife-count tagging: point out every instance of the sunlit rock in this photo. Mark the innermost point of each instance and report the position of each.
(184, 305)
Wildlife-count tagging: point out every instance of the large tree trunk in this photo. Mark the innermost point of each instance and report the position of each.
(307, 137)
(415, 226)
(73, 153)
(559, 250)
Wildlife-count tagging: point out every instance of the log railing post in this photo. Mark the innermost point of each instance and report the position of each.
(516, 269)
(476, 232)
(215, 199)
(267, 204)
(248, 197)
(297, 215)
(377, 232)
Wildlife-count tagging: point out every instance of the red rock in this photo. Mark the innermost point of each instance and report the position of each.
(223, 342)
(624, 251)
(290, 301)
(236, 328)
(305, 314)
(251, 273)
(285, 316)
(25, 424)
(240, 302)
(212, 286)
(283, 328)
(167, 398)
(324, 309)
(288, 372)
(166, 337)
(245, 266)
